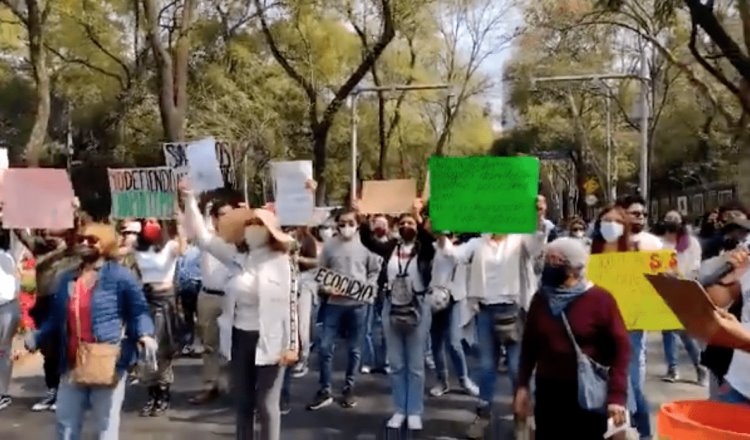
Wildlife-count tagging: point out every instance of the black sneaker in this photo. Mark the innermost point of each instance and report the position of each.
(322, 399)
(347, 398)
(47, 403)
(285, 406)
(161, 405)
(148, 408)
(5, 402)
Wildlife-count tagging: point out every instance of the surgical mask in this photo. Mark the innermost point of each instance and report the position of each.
(256, 236)
(611, 231)
(578, 234)
(325, 233)
(348, 231)
(554, 276)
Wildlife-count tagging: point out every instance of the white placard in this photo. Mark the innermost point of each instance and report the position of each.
(203, 165)
(176, 157)
(295, 203)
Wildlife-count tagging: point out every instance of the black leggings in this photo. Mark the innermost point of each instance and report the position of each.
(255, 387)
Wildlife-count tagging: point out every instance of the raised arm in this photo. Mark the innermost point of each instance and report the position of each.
(462, 253)
(195, 226)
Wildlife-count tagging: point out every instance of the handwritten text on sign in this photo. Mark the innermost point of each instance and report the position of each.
(142, 192)
(175, 156)
(484, 194)
(621, 273)
(349, 287)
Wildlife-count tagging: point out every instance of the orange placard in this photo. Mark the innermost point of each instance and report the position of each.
(388, 196)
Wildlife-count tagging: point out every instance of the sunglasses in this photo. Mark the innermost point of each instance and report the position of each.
(88, 239)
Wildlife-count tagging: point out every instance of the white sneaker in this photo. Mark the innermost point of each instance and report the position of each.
(414, 423)
(5, 402)
(396, 421)
(469, 387)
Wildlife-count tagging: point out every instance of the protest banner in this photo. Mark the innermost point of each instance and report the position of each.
(294, 201)
(388, 196)
(357, 290)
(622, 274)
(176, 157)
(39, 198)
(143, 192)
(203, 166)
(689, 302)
(484, 194)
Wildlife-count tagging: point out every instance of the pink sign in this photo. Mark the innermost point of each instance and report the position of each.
(38, 198)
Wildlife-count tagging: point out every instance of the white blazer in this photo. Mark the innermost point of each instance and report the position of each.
(277, 305)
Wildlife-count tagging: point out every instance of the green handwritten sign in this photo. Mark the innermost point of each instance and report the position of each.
(142, 192)
(484, 194)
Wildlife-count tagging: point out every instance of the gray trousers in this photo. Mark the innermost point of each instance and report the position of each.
(255, 387)
(10, 315)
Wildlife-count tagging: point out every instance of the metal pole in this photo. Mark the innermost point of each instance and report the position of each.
(611, 179)
(353, 109)
(644, 126)
(246, 186)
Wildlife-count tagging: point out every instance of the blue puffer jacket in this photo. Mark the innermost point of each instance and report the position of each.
(117, 301)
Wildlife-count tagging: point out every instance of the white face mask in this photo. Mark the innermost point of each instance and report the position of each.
(326, 233)
(256, 236)
(578, 234)
(348, 231)
(611, 231)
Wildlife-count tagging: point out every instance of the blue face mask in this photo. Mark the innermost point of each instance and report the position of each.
(554, 276)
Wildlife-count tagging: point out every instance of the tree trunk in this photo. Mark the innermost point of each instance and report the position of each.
(383, 138)
(320, 139)
(38, 57)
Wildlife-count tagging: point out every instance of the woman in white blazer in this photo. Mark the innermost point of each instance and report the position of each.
(260, 308)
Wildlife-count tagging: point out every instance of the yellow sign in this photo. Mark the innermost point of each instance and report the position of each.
(591, 186)
(621, 273)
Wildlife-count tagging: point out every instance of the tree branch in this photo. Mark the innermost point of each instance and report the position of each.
(15, 8)
(86, 64)
(280, 58)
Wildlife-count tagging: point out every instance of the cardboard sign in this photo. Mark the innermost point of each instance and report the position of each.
(294, 202)
(39, 198)
(689, 302)
(176, 157)
(348, 287)
(388, 196)
(143, 192)
(621, 273)
(484, 194)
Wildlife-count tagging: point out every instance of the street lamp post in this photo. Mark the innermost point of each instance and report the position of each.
(644, 119)
(353, 101)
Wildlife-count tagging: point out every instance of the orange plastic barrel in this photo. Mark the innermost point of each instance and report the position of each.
(703, 420)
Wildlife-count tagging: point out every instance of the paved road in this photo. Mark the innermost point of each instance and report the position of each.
(445, 418)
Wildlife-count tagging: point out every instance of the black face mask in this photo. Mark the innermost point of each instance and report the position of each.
(671, 227)
(407, 234)
(554, 276)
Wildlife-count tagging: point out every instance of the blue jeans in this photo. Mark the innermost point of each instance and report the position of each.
(105, 405)
(373, 345)
(353, 320)
(669, 338)
(446, 334)
(727, 394)
(489, 351)
(406, 359)
(637, 377)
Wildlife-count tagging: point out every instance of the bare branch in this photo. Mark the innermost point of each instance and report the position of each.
(85, 63)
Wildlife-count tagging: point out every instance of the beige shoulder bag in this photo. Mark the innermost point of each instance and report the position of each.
(95, 362)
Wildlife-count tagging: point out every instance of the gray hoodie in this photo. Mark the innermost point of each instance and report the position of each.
(353, 259)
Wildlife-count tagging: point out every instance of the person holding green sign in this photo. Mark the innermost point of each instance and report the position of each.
(501, 283)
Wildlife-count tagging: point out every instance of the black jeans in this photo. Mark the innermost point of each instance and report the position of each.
(50, 349)
(255, 387)
(188, 298)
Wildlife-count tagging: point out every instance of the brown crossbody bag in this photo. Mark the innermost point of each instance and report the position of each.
(95, 362)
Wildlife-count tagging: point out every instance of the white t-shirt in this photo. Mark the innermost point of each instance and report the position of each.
(738, 375)
(9, 283)
(399, 262)
(158, 267)
(647, 241)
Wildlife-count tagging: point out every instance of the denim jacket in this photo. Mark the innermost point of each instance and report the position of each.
(119, 313)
